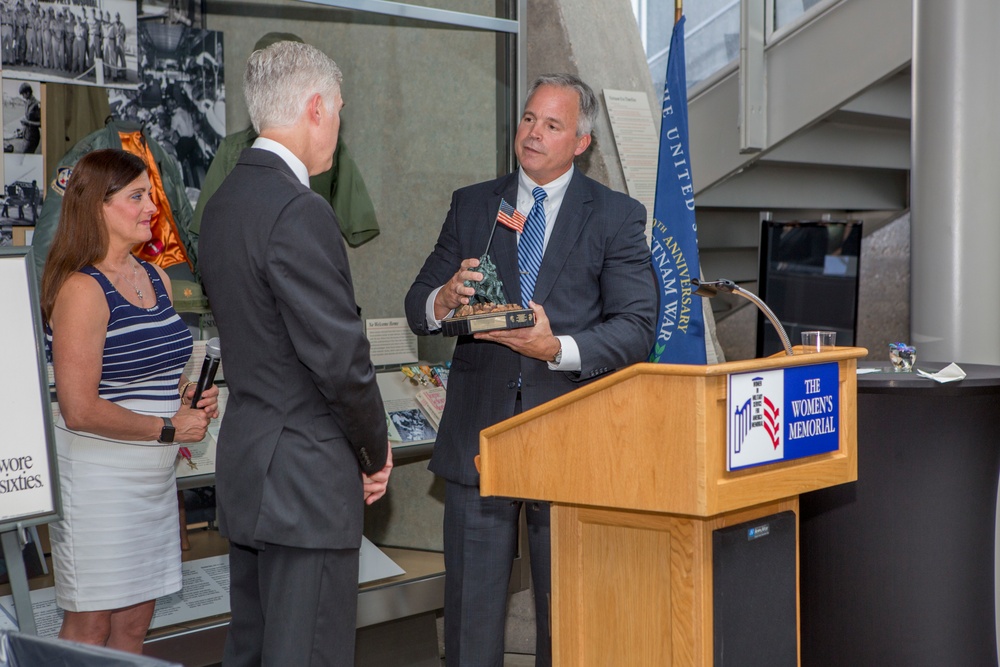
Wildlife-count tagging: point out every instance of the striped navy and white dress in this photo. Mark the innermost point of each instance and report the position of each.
(118, 542)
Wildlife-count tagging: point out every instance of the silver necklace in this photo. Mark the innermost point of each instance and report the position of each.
(135, 278)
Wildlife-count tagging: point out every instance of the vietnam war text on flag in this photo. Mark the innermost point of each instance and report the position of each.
(680, 329)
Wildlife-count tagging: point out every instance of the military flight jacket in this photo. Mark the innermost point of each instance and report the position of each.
(342, 185)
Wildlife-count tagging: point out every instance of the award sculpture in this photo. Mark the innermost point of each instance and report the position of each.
(488, 309)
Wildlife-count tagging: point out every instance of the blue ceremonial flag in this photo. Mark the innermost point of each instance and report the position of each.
(680, 329)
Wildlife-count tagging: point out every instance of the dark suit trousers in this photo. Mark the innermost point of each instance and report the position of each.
(480, 542)
(292, 606)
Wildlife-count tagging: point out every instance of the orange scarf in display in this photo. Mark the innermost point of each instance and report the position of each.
(165, 248)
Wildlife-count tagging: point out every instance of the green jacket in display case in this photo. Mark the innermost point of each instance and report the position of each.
(342, 186)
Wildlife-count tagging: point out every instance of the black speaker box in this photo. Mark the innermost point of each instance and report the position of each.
(753, 574)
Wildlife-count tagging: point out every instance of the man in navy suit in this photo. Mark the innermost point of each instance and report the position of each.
(303, 441)
(594, 301)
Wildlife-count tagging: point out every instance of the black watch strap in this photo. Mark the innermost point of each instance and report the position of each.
(167, 433)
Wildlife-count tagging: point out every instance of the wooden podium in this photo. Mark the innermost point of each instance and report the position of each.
(635, 466)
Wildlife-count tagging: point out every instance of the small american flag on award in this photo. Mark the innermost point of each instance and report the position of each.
(510, 217)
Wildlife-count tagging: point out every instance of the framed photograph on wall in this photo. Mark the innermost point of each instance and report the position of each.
(23, 189)
(181, 98)
(22, 117)
(190, 13)
(73, 41)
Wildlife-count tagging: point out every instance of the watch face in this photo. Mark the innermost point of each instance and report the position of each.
(167, 433)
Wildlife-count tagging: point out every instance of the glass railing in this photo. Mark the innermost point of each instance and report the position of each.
(711, 35)
(786, 11)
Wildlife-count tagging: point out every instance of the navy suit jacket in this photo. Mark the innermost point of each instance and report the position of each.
(595, 283)
(304, 415)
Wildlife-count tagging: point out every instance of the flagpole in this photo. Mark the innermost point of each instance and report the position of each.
(492, 232)
(678, 10)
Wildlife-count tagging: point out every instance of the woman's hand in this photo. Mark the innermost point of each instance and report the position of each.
(190, 424)
(209, 401)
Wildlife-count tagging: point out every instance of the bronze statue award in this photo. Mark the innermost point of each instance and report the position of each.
(488, 309)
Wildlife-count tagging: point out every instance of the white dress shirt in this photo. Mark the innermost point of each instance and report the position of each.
(296, 165)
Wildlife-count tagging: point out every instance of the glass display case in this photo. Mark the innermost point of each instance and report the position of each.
(431, 96)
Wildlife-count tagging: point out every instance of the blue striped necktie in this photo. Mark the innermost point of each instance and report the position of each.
(529, 247)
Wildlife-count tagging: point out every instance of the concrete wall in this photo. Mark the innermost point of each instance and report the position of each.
(599, 41)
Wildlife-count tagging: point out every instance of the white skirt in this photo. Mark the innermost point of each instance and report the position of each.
(118, 543)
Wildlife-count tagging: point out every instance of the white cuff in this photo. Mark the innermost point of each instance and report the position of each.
(433, 323)
(570, 356)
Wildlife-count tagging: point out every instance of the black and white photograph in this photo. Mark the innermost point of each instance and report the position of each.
(22, 117)
(23, 189)
(173, 12)
(87, 42)
(182, 96)
(412, 425)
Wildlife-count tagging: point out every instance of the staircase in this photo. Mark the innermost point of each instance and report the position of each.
(836, 133)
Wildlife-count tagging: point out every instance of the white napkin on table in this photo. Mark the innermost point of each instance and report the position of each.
(949, 373)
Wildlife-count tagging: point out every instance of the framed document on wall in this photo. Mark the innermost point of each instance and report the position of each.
(29, 479)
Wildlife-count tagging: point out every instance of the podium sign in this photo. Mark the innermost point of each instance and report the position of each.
(782, 414)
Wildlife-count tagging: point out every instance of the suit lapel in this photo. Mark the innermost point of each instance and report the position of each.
(503, 249)
(573, 216)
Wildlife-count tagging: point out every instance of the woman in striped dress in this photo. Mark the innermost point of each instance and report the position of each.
(118, 351)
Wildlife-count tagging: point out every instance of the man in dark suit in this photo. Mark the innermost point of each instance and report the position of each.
(594, 302)
(303, 442)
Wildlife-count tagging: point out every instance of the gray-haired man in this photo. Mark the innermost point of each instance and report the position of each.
(303, 442)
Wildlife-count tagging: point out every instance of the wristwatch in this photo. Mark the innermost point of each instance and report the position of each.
(167, 432)
(558, 358)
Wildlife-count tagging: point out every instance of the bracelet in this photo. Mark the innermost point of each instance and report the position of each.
(185, 388)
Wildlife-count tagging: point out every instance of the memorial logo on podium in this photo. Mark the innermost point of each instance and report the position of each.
(782, 414)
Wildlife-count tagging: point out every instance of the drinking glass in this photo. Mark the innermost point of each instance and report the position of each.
(818, 341)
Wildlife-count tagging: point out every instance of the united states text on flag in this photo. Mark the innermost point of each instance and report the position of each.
(680, 332)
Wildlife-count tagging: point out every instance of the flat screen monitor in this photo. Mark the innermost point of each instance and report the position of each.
(808, 275)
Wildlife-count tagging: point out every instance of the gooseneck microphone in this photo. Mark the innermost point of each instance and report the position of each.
(213, 356)
(709, 288)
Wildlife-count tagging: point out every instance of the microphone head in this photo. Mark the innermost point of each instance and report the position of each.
(710, 288)
(213, 348)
